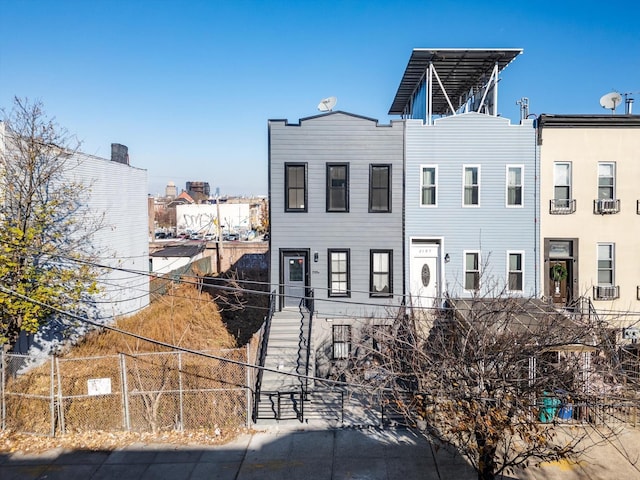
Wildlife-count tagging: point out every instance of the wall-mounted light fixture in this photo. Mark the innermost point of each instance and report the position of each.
(315, 256)
(447, 258)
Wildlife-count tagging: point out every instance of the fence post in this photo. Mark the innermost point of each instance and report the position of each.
(53, 360)
(125, 393)
(248, 382)
(2, 389)
(181, 424)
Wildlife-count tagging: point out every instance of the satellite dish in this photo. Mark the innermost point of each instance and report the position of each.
(327, 104)
(611, 100)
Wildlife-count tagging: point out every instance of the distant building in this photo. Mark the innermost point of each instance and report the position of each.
(171, 190)
(199, 191)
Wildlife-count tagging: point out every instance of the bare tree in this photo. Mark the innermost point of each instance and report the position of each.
(495, 377)
(45, 227)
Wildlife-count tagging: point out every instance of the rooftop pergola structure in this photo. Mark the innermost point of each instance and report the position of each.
(444, 81)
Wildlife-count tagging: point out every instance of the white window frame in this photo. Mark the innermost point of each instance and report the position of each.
(435, 185)
(569, 177)
(521, 271)
(465, 271)
(479, 186)
(613, 177)
(521, 185)
(612, 250)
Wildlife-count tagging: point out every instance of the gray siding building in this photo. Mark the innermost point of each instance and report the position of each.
(336, 217)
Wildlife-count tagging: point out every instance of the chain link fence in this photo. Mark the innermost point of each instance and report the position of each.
(144, 392)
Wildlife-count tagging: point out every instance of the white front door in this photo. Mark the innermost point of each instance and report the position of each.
(424, 273)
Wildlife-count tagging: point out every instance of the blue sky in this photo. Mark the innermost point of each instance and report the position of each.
(189, 85)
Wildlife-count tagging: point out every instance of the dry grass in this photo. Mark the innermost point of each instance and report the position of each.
(184, 317)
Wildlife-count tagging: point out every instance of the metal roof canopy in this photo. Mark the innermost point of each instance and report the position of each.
(459, 73)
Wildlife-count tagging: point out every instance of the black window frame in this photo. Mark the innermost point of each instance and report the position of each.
(288, 188)
(330, 273)
(341, 335)
(373, 188)
(372, 273)
(331, 188)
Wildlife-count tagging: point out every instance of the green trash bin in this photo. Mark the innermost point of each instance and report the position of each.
(550, 405)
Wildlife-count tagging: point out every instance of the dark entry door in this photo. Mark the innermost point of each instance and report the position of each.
(559, 276)
(294, 280)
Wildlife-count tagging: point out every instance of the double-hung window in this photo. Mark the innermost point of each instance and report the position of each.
(295, 186)
(606, 181)
(428, 186)
(380, 283)
(339, 277)
(562, 201)
(379, 188)
(515, 272)
(605, 264)
(471, 186)
(514, 186)
(471, 271)
(341, 341)
(337, 187)
(606, 288)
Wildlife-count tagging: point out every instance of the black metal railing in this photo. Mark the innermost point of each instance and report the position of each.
(262, 353)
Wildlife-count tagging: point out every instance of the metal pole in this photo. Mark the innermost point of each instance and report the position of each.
(125, 393)
(181, 400)
(2, 389)
(248, 382)
(60, 398)
(219, 243)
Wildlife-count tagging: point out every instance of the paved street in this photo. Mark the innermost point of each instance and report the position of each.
(330, 454)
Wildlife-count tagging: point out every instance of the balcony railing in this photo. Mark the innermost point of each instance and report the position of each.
(563, 206)
(606, 292)
(605, 206)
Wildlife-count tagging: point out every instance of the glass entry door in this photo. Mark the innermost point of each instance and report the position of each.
(294, 280)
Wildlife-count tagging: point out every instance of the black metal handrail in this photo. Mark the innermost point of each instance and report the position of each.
(310, 306)
(262, 354)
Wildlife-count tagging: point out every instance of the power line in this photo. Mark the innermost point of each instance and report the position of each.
(172, 346)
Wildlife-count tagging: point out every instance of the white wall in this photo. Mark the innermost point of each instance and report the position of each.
(201, 218)
(119, 193)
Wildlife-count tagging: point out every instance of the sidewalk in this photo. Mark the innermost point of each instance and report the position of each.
(290, 453)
